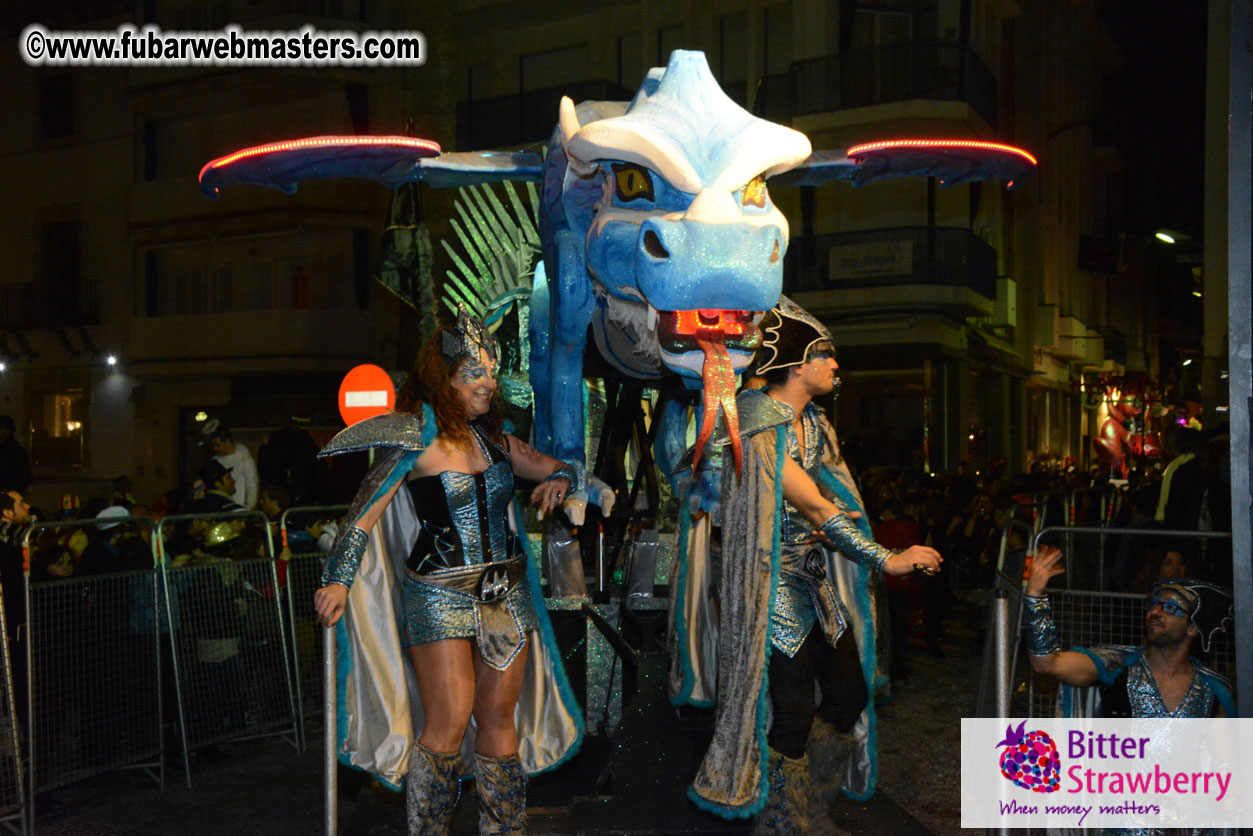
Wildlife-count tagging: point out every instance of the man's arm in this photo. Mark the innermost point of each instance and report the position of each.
(1043, 648)
(251, 487)
(801, 492)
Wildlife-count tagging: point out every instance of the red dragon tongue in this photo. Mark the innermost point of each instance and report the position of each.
(718, 374)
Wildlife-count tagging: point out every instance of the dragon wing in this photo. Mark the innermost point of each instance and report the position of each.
(951, 161)
(390, 160)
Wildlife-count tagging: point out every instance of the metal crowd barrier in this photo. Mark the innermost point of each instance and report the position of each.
(92, 664)
(12, 780)
(229, 642)
(304, 572)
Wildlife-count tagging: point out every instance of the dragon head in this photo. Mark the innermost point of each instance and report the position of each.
(685, 235)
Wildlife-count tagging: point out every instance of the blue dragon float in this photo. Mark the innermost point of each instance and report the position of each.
(656, 226)
(659, 238)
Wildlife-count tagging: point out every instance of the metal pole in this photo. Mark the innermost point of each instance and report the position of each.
(602, 584)
(15, 742)
(330, 737)
(174, 666)
(1000, 645)
(1000, 649)
(30, 684)
(1238, 125)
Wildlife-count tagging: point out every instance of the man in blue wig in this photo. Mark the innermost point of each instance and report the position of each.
(790, 517)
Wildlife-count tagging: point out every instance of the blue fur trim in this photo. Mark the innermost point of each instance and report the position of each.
(1222, 693)
(1103, 674)
(343, 666)
(397, 475)
(680, 623)
(869, 653)
(564, 691)
(430, 428)
(720, 810)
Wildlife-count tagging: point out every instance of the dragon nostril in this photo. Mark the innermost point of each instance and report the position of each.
(774, 254)
(652, 245)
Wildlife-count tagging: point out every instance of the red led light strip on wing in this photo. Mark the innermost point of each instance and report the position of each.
(425, 145)
(865, 148)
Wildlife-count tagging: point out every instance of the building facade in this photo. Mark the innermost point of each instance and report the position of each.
(964, 320)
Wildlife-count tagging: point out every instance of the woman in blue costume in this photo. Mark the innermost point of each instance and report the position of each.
(1157, 679)
(433, 533)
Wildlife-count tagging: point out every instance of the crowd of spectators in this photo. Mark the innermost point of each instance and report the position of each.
(973, 512)
(91, 559)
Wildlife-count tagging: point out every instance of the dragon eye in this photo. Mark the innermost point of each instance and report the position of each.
(755, 193)
(633, 182)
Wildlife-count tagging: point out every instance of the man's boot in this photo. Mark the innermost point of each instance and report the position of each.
(787, 803)
(502, 796)
(431, 790)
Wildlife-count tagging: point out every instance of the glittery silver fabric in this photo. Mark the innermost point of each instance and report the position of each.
(796, 528)
(843, 532)
(461, 490)
(1142, 692)
(502, 796)
(1041, 631)
(401, 430)
(341, 566)
(802, 598)
(565, 472)
(431, 790)
(433, 613)
(729, 779)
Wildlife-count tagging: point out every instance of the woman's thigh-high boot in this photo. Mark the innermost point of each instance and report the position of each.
(431, 790)
(502, 796)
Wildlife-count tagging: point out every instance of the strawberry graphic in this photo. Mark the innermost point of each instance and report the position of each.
(1030, 759)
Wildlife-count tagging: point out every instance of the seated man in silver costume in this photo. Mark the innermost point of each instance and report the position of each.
(470, 599)
(1157, 679)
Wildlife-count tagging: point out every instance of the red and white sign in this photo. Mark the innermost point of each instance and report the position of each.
(366, 391)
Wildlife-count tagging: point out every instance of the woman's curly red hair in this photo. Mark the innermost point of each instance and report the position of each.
(431, 382)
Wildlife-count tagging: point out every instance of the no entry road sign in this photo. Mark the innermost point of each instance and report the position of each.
(366, 391)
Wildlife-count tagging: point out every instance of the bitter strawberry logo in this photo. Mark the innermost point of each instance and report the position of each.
(1030, 759)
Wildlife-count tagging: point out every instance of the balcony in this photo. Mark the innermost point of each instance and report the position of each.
(31, 305)
(521, 118)
(910, 255)
(249, 341)
(894, 73)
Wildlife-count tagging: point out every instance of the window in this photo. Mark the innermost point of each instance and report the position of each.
(542, 70)
(312, 271)
(630, 73)
(668, 40)
(778, 38)
(60, 274)
(56, 106)
(733, 48)
(58, 428)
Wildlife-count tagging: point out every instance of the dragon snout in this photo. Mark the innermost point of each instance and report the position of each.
(687, 265)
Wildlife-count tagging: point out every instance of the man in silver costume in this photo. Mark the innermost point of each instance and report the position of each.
(431, 566)
(782, 619)
(1157, 679)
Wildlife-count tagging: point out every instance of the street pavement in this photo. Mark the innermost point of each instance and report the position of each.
(266, 787)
